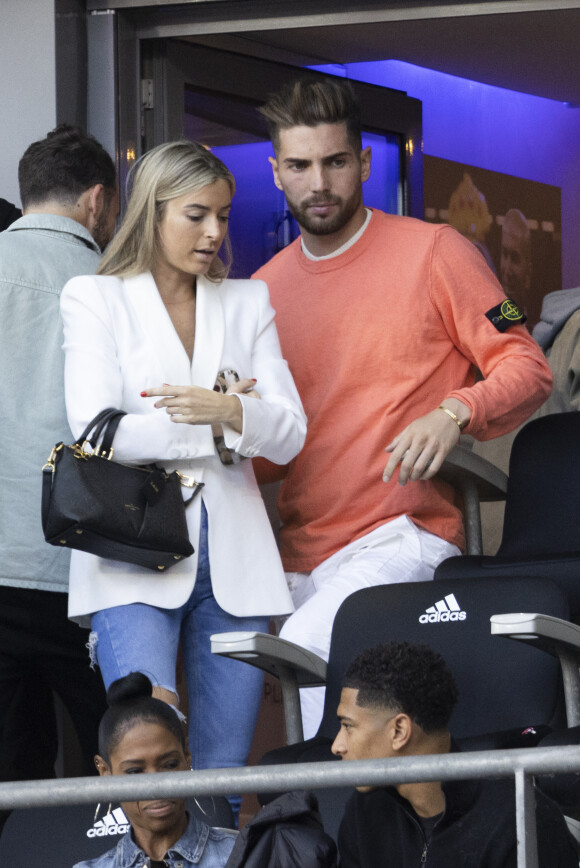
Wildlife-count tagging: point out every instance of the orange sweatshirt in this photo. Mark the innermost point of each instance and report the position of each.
(375, 338)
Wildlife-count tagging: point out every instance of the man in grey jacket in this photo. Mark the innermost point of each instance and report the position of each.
(558, 334)
(70, 203)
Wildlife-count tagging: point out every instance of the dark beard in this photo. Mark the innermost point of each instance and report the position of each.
(325, 225)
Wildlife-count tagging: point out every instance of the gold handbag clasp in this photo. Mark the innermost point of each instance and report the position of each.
(106, 455)
(188, 481)
(52, 457)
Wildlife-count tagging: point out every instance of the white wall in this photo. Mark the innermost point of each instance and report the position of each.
(27, 83)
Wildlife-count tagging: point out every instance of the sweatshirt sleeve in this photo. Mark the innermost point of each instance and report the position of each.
(516, 377)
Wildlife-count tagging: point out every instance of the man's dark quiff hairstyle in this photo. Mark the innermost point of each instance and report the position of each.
(412, 679)
(62, 166)
(310, 103)
(131, 702)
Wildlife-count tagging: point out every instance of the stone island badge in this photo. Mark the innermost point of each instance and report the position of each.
(505, 315)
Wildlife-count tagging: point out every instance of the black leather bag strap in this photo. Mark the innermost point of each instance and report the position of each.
(110, 430)
(46, 490)
(98, 423)
(104, 425)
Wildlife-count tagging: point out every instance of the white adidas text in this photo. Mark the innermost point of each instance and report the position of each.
(102, 831)
(447, 609)
(436, 617)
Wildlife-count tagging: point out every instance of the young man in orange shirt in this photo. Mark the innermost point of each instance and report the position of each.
(383, 320)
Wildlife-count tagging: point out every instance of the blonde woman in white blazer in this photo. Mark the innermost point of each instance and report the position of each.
(150, 334)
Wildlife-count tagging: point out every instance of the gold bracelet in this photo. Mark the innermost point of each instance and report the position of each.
(452, 415)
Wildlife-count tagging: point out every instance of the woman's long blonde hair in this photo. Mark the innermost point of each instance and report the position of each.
(166, 172)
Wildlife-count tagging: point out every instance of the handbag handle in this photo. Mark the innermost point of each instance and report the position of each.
(110, 429)
(104, 424)
(97, 423)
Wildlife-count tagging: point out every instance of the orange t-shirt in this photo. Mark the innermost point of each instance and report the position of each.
(376, 337)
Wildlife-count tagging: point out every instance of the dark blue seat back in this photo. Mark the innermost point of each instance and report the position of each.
(541, 532)
(502, 685)
(542, 513)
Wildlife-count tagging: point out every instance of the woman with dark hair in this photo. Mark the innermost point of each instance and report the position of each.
(139, 734)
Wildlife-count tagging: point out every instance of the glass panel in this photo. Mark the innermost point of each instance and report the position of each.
(384, 189)
(259, 226)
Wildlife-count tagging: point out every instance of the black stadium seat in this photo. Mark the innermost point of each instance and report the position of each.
(510, 695)
(541, 531)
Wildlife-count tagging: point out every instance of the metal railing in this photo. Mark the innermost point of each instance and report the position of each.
(521, 764)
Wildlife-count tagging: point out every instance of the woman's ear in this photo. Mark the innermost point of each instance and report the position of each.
(102, 767)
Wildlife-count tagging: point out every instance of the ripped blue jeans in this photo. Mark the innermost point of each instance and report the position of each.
(224, 695)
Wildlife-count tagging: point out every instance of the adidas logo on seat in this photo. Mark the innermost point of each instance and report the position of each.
(447, 609)
(115, 823)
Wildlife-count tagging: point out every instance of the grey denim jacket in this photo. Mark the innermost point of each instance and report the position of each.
(39, 253)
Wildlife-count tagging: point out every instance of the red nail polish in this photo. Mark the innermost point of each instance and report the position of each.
(254, 380)
(143, 394)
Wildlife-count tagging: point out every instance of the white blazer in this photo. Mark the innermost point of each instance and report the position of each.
(118, 341)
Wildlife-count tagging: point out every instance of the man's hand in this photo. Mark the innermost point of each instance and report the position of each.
(423, 446)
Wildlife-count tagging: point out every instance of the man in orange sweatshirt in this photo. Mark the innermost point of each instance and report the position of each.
(383, 320)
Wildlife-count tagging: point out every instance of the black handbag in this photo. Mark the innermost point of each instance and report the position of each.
(125, 512)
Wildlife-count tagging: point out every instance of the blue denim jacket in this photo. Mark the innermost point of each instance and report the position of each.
(200, 845)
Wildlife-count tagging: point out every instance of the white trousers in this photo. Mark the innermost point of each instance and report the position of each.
(398, 551)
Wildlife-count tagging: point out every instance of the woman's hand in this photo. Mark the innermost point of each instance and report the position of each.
(243, 387)
(197, 406)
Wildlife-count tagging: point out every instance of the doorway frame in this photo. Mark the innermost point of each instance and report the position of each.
(136, 84)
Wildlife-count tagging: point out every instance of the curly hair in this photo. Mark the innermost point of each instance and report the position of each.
(310, 103)
(412, 679)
